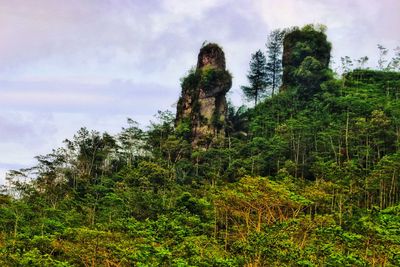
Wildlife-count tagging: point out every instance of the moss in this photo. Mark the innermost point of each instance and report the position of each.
(191, 81)
(299, 44)
(210, 79)
(190, 87)
(179, 108)
(215, 79)
(184, 127)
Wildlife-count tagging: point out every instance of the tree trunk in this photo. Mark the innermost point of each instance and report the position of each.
(347, 136)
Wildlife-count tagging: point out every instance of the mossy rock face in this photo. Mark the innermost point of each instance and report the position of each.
(215, 81)
(300, 44)
(203, 95)
(191, 81)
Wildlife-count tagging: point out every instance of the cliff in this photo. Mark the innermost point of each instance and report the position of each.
(305, 51)
(202, 106)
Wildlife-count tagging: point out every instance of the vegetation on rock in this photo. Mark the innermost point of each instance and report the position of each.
(203, 101)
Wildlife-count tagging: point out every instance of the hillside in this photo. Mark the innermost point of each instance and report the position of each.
(308, 177)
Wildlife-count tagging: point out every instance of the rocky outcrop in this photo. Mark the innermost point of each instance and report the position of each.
(299, 47)
(202, 106)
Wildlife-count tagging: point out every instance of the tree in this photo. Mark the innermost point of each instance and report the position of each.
(346, 64)
(382, 56)
(361, 62)
(236, 119)
(131, 142)
(394, 64)
(274, 62)
(257, 77)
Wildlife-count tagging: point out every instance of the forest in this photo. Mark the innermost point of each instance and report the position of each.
(307, 174)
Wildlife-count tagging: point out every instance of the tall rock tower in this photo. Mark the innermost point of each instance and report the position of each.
(306, 49)
(202, 106)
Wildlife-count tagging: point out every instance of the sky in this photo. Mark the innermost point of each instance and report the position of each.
(94, 63)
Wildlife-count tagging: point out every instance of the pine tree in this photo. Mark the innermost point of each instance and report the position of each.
(257, 77)
(274, 63)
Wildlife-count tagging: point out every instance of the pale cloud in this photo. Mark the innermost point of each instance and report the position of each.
(289, 13)
(18, 127)
(115, 97)
(354, 27)
(24, 135)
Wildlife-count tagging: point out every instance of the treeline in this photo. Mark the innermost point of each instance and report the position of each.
(308, 177)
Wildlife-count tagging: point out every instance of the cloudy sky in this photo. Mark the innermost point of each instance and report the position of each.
(67, 64)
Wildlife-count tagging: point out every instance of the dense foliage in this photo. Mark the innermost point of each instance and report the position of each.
(305, 58)
(298, 181)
